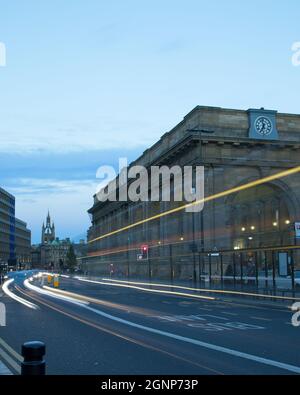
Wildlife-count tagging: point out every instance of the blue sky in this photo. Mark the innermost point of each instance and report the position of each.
(89, 81)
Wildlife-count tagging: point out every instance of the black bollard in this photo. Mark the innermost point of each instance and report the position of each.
(34, 363)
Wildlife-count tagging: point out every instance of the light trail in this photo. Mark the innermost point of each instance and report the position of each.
(219, 291)
(9, 293)
(52, 294)
(149, 290)
(186, 340)
(119, 335)
(114, 252)
(243, 187)
(117, 306)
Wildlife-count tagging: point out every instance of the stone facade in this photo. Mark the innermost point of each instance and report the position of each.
(52, 252)
(48, 231)
(243, 226)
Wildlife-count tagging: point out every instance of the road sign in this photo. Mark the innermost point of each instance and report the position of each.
(297, 230)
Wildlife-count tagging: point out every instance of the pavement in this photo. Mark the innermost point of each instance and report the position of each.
(116, 329)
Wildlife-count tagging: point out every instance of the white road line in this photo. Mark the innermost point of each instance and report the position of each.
(4, 370)
(4, 345)
(255, 358)
(7, 358)
(214, 347)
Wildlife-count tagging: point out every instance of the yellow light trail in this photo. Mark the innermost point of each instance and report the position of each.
(118, 306)
(284, 247)
(243, 187)
(119, 335)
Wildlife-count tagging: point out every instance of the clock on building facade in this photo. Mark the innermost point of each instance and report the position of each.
(262, 124)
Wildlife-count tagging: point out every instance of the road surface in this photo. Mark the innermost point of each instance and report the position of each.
(130, 329)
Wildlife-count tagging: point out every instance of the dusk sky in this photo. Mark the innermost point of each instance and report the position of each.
(87, 82)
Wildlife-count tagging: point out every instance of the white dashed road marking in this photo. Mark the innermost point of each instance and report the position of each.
(210, 346)
(4, 369)
(193, 341)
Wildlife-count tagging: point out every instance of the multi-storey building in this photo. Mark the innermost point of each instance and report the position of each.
(15, 238)
(7, 227)
(243, 235)
(23, 244)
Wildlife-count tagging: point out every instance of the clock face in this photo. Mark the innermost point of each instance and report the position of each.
(263, 126)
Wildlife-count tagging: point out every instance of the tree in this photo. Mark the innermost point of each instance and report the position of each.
(71, 260)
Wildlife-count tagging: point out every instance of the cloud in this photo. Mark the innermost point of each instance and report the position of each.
(67, 200)
(63, 183)
(33, 186)
(106, 134)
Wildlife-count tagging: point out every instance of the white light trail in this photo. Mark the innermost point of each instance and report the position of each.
(218, 291)
(196, 342)
(15, 297)
(52, 294)
(149, 290)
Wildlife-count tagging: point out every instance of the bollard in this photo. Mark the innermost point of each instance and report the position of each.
(34, 363)
(56, 282)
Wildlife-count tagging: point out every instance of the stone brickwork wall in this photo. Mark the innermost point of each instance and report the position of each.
(231, 159)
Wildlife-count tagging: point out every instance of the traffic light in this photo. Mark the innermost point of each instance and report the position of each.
(144, 251)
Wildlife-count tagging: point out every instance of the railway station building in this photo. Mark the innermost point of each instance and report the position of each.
(245, 236)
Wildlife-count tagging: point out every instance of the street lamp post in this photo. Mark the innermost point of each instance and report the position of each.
(194, 249)
(128, 257)
(200, 131)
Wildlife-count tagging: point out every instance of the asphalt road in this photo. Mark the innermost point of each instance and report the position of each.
(111, 329)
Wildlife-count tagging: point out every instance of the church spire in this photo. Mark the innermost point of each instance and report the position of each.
(48, 218)
(48, 231)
